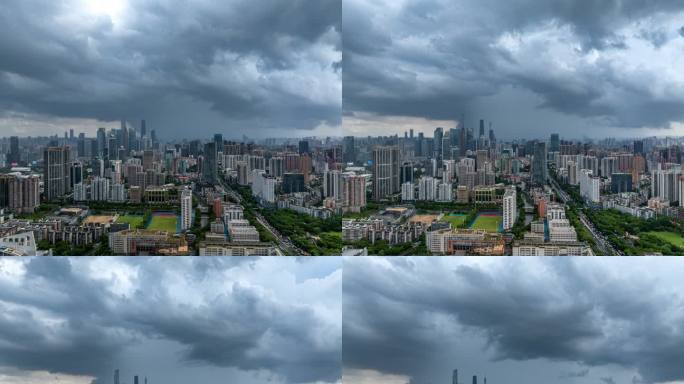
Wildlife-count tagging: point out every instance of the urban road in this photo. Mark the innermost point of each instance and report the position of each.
(283, 241)
(602, 243)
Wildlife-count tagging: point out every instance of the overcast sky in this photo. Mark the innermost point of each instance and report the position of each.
(261, 68)
(532, 67)
(174, 320)
(513, 320)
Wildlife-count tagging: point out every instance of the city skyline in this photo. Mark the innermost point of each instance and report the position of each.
(604, 68)
(514, 320)
(173, 320)
(236, 67)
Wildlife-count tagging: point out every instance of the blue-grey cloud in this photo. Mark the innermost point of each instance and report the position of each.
(236, 66)
(588, 64)
(85, 316)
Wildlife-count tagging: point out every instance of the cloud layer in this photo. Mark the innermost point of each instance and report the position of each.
(276, 318)
(234, 66)
(531, 66)
(571, 318)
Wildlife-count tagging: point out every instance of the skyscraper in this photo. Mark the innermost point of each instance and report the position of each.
(116, 376)
(555, 143)
(539, 166)
(348, 149)
(218, 140)
(406, 173)
(81, 148)
(124, 137)
(437, 138)
(210, 166)
(332, 184)
(474, 379)
(354, 192)
(18, 193)
(385, 171)
(13, 156)
(101, 142)
(186, 209)
(143, 128)
(462, 141)
(303, 147)
(638, 147)
(135, 380)
(510, 213)
(454, 377)
(293, 182)
(56, 173)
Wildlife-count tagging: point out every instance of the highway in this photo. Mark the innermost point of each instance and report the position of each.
(601, 241)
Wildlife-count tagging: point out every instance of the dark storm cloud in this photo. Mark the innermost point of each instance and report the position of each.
(235, 64)
(439, 59)
(58, 317)
(401, 313)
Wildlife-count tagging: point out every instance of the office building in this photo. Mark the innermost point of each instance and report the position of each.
(14, 156)
(620, 182)
(303, 147)
(293, 182)
(539, 165)
(56, 173)
(210, 165)
(554, 144)
(385, 172)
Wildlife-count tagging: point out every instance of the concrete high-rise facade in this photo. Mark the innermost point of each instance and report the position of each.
(186, 209)
(554, 145)
(354, 192)
(348, 149)
(510, 208)
(665, 184)
(539, 165)
(385, 172)
(14, 156)
(332, 184)
(56, 173)
(437, 139)
(18, 193)
(210, 165)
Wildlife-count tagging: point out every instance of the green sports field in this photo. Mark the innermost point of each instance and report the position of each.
(490, 223)
(163, 223)
(455, 219)
(134, 221)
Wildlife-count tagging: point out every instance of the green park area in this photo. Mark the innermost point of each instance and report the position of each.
(636, 236)
(488, 222)
(163, 222)
(675, 239)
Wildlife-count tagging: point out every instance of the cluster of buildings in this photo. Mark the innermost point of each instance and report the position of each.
(551, 233)
(130, 167)
(396, 225)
